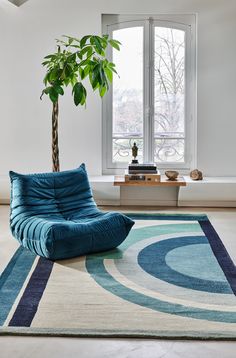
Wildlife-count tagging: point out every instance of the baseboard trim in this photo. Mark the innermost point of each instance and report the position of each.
(208, 203)
(4, 201)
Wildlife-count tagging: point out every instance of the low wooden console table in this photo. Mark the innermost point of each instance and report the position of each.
(163, 193)
(119, 180)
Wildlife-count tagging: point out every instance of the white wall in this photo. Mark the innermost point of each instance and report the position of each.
(27, 34)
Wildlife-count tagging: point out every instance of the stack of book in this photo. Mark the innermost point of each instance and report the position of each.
(142, 168)
(143, 173)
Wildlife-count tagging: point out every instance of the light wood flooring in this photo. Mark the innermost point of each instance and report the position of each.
(224, 221)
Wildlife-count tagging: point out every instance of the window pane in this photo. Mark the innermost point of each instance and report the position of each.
(169, 82)
(128, 87)
(169, 150)
(122, 151)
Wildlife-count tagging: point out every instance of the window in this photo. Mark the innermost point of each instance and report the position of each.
(152, 102)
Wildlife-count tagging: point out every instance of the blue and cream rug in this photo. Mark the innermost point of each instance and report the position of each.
(171, 278)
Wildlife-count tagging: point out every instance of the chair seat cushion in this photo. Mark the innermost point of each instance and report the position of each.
(54, 215)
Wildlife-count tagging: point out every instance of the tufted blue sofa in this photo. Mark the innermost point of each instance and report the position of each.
(54, 215)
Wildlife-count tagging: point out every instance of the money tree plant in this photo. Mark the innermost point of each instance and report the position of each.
(74, 61)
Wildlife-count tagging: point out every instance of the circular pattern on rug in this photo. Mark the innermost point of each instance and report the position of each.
(183, 262)
(170, 269)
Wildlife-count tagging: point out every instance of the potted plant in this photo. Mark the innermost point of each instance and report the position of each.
(73, 62)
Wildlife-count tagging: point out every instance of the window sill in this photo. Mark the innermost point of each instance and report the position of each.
(209, 192)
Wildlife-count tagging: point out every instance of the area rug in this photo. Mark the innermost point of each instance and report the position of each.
(171, 278)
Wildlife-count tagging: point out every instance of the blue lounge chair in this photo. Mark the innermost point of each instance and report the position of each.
(55, 216)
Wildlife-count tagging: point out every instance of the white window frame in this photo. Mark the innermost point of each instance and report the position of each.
(186, 23)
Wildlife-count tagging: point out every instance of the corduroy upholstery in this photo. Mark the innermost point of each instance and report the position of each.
(55, 216)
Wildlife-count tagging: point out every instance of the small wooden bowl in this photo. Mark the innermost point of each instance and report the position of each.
(172, 174)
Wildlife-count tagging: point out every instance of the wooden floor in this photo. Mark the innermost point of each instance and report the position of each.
(224, 220)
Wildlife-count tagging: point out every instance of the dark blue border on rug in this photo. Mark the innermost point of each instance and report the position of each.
(29, 302)
(220, 252)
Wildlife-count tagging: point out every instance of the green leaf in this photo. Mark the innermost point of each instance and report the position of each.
(84, 40)
(93, 80)
(59, 90)
(83, 63)
(46, 79)
(79, 55)
(92, 63)
(61, 65)
(86, 70)
(109, 74)
(81, 72)
(88, 49)
(45, 63)
(50, 56)
(79, 93)
(73, 80)
(54, 74)
(68, 70)
(66, 81)
(115, 44)
(118, 42)
(83, 99)
(96, 75)
(47, 90)
(96, 42)
(85, 49)
(96, 87)
(102, 41)
(70, 41)
(103, 76)
(72, 57)
(111, 68)
(53, 95)
(75, 46)
(102, 90)
(60, 41)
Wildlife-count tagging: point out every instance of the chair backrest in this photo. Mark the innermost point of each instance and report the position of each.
(50, 194)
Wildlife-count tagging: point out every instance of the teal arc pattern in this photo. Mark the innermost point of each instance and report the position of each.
(104, 279)
(156, 256)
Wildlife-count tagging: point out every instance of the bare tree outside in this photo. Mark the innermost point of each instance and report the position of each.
(169, 95)
(169, 92)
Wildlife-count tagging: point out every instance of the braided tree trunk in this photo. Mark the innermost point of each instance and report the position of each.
(55, 148)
